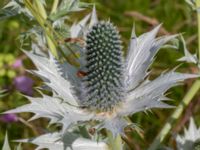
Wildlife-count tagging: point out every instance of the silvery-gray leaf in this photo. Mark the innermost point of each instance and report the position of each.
(67, 6)
(38, 45)
(116, 125)
(39, 50)
(160, 84)
(76, 29)
(94, 18)
(45, 106)
(6, 145)
(54, 141)
(59, 22)
(54, 109)
(150, 95)
(50, 69)
(14, 8)
(143, 103)
(11, 9)
(191, 135)
(140, 55)
(19, 147)
(75, 116)
(188, 56)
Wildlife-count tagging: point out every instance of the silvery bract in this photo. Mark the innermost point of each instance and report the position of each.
(6, 145)
(105, 88)
(188, 57)
(191, 138)
(69, 141)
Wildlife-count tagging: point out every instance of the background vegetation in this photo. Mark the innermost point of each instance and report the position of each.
(176, 16)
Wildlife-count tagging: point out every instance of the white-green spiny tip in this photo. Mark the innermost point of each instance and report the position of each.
(104, 68)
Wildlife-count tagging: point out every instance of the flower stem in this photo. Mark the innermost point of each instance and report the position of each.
(115, 143)
(176, 114)
(198, 20)
(54, 7)
(42, 11)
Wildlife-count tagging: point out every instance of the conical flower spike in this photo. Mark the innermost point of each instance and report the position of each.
(103, 81)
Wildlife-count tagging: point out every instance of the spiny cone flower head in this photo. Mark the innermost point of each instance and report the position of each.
(106, 88)
(190, 139)
(104, 77)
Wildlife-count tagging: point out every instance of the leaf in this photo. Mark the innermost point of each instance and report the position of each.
(55, 110)
(94, 18)
(54, 141)
(19, 147)
(77, 29)
(188, 56)
(190, 137)
(140, 55)
(151, 94)
(2, 93)
(74, 117)
(51, 70)
(67, 6)
(46, 106)
(13, 8)
(115, 142)
(116, 125)
(6, 145)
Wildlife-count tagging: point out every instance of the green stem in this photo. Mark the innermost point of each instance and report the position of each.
(176, 114)
(42, 12)
(41, 9)
(48, 30)
(115, 143)
(54, 7)
(198, 20)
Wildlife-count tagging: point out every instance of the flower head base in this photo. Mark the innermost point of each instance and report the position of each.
(104, 78)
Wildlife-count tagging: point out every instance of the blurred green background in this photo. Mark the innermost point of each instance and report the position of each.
(176, 16)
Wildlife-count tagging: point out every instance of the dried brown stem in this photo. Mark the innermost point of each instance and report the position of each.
(149, 20)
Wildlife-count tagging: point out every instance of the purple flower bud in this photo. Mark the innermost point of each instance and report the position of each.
(18, 63)
(9, 118)
(24, 84)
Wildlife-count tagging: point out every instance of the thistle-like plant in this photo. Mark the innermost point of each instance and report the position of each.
(190, 139)
(107, 87)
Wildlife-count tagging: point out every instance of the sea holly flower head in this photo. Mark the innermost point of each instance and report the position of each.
(103, 81)
(190, 139)
(107, 86)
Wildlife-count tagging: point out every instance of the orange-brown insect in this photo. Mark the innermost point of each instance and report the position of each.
(81, 74)
(75, 40)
